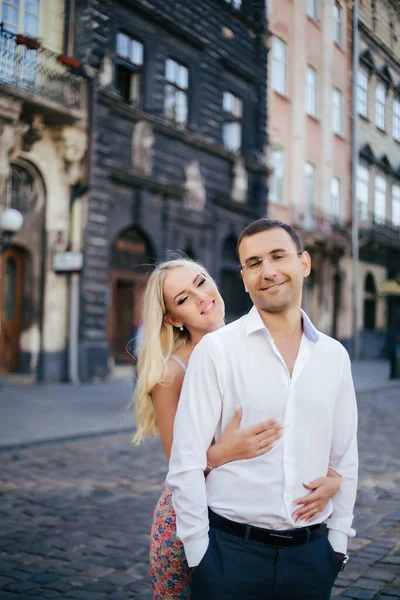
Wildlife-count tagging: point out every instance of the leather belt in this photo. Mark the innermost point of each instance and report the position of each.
(284, 539)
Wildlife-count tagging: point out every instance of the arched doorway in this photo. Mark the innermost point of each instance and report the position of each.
(132, 257)
(369, 302)
(237, 301)
(11, 289)
(24, 191)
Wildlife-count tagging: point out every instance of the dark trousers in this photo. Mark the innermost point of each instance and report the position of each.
(236, 569)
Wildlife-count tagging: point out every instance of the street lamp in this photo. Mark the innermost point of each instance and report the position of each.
(11, 222)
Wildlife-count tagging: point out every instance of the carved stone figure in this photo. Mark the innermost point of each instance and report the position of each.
(143, 147)
(195, 192)
(72, 149)
(33, 133)
(7, 142)
(106, 71)
(240, 182)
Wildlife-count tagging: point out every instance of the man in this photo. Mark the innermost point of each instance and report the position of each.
(237, 525)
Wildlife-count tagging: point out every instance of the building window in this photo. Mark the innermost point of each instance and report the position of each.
(21, 16)
(176, 103)
(380, 101)
(337, 23)
(337, 111)
(279, 65)
(129, 68)
(232, 126)
(311, 92)
(362, 93)
(309, 175)
(380, 200)
(362, 192)
(312, 9)
(335, 197)
(278, 174)
(396, 119)
(396, 205)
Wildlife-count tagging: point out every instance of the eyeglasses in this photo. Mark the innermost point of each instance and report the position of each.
(254, 264)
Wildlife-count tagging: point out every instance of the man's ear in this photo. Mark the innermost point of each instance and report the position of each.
(172, 321)
(306, 262)
(244, 283)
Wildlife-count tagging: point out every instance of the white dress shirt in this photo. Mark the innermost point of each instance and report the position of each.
(240, 365)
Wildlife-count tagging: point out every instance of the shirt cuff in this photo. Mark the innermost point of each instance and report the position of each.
(338, 540)
(195, 550)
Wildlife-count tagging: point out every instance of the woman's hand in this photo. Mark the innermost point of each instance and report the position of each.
(323, 489)
(240, 444)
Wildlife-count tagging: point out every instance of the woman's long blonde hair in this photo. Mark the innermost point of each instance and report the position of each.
(161, 340)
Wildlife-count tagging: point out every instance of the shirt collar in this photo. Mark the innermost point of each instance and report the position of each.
(254, 323)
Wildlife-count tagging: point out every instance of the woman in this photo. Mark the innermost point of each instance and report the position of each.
(181, 305)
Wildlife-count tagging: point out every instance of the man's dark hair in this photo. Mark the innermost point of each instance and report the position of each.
(266, 225)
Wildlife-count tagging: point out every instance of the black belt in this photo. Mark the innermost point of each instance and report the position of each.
(284, 539)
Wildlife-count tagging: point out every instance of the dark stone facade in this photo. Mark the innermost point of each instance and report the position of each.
(225, 50)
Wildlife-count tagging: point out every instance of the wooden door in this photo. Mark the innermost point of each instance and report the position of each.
(10, 309)
(123, 317)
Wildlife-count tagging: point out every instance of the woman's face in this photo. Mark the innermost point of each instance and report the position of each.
(192, 300)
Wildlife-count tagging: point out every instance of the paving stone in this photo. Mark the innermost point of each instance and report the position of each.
(393, 591)
(370, 584)
(44, 578)
(358, 594)
(380, 575)
(18, 587)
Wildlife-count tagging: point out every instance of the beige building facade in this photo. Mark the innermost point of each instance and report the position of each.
(309, 106)
(43, 140)
(378, 174)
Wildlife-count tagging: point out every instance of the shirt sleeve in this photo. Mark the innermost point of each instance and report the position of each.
(344, 460)
(197, 417)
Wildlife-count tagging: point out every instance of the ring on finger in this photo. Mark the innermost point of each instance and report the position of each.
(315, 511)
(261, 445)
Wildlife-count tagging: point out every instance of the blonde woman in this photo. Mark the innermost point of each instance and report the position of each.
(181, 305)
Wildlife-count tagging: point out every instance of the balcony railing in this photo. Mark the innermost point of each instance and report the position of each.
(379, 227)
(316, 220)
(37, 71)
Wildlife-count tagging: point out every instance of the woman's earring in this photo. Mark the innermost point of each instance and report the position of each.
(181, 327)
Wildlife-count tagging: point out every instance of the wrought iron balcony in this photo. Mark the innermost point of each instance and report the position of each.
(376, 228)
(315, 220)
(24, 64)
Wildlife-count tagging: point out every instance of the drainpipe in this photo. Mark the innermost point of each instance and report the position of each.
(354, 221)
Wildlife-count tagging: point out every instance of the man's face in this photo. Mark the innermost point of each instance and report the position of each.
(275, 285)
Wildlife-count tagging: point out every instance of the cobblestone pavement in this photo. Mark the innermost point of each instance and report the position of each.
(75, 516)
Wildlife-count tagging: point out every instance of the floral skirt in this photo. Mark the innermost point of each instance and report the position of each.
(168, 567)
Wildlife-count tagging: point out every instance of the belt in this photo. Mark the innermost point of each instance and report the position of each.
(283, 539)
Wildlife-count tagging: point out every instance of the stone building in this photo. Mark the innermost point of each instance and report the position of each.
(180, 124)
(42, 144)
(309, 110)
(378, 174)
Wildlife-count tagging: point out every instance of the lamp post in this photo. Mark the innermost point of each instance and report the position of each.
(11, 222)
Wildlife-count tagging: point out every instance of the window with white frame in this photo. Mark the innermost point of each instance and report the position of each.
(337, 23)
(21, 16)
(362, 192)
(312, 9)
(396, 119)
(311, 92)
(335, 197)
(279, 65)
(380, 199)
(278, 175)
(362, 93)
(232, 126)
(337, 111)
(380, 104)
(176, 102)
(396, 205)
(129, 68)
(309, 176)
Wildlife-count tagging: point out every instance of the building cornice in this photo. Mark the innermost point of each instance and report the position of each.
(367, 32)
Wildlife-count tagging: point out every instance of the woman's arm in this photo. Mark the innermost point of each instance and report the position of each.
(323, 489)
(165, 399)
